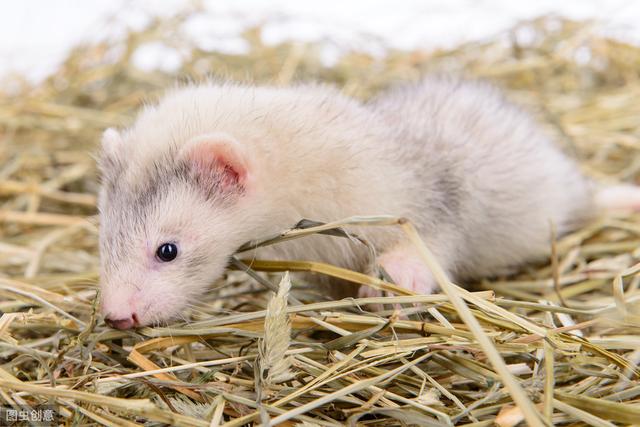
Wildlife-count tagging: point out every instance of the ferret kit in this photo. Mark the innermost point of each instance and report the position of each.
(212, 166)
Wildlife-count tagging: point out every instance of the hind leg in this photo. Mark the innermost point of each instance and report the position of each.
(407, 270)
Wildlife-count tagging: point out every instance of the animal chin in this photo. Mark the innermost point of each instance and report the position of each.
(160, 314)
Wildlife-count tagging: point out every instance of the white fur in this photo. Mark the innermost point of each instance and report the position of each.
(475, 174)
(111, 141)
(621, 197)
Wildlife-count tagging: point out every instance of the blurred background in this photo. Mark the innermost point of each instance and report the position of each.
(36, 35)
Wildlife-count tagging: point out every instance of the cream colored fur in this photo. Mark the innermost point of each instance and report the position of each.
(476, 175)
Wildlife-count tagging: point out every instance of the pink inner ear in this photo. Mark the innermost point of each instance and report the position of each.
(220, 162)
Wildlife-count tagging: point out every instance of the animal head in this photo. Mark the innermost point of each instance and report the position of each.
(167, 221)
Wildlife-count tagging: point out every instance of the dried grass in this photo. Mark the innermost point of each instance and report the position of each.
(557, 343)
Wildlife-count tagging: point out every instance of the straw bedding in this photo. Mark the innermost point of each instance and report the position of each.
(558, 343)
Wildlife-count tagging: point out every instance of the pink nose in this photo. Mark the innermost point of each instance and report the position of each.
(126, 323)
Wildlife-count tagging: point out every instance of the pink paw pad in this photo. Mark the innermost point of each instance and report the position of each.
(407, 271)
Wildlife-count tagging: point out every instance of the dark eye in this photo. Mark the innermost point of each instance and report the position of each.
(167, 252)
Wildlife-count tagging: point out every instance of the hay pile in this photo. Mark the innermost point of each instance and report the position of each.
(568, 332)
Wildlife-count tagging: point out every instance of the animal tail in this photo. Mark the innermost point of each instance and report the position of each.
(618, 198)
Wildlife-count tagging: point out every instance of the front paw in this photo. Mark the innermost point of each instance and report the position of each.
(407, 270)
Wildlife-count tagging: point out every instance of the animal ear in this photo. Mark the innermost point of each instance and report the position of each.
(109, 158)
(219, 162)
(111, 142)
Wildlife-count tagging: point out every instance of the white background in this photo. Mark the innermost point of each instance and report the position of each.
(35, 35)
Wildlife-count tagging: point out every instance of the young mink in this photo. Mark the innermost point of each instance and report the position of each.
(213, 166)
